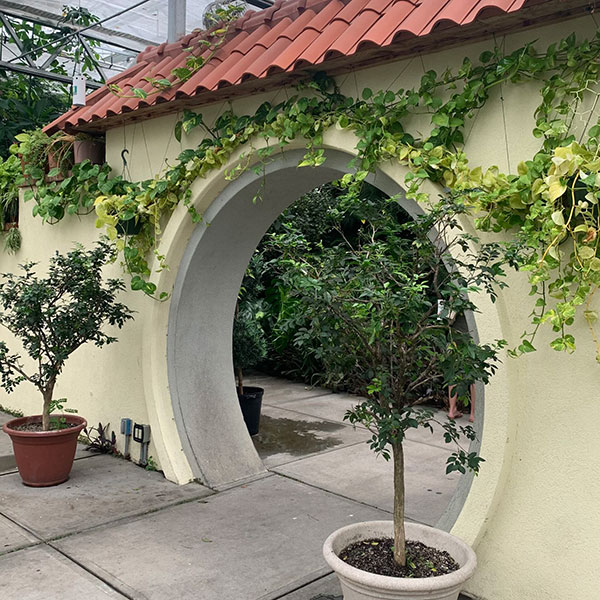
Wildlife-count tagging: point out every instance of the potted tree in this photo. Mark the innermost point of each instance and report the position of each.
(386, 302)
(52, 316)
(249, 348)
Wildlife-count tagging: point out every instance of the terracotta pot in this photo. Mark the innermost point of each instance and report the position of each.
(53, 164)
(44, 458)
(9, 226)
(90, 149)
(360, 585)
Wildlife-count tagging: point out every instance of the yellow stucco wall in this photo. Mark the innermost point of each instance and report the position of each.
(533, 514)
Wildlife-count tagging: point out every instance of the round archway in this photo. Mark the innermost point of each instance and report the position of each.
(199, 343)
(188, 374)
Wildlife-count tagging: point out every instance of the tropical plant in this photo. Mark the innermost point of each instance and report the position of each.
(541, 205)
(249, 341)
(10, 172)
(52, 316)
(32, 146)
(384, 306)
(99, 440)
(12, 240)
(27, 102)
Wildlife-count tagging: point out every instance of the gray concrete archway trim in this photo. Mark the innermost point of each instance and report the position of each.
(199, 361)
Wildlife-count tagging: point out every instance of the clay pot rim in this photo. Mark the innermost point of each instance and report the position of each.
(8, 426)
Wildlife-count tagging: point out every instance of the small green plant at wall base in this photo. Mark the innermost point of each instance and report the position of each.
(99, 440)
(53, 316)
(11, 411)
(151, 465)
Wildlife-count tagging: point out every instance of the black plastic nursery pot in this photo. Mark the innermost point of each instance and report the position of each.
(250, 403)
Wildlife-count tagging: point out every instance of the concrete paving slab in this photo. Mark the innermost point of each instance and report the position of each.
(257, 541)
(326, 588)
(40, 573)
(332, 407)
(100, 489)
(13, 537)
(281, 391)
(279, 394)
(286, 436)
(355, 472)
(6, 448)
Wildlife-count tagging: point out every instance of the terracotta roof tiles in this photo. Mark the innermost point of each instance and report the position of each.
(288, 37)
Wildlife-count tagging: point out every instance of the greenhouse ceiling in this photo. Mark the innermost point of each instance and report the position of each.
(126, 28)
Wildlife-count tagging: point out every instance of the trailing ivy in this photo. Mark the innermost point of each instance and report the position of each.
(549, 206)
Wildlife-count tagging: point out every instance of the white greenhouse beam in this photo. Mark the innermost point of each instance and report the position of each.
(176, 27)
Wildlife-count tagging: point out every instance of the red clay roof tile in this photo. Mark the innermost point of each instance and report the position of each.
(290, 35)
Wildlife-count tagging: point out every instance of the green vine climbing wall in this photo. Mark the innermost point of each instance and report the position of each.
(549, 206)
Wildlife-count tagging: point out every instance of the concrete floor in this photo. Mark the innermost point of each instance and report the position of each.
(115, 530)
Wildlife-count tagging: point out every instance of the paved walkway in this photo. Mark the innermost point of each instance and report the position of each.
(115, 530)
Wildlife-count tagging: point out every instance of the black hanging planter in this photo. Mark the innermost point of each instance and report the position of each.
(250, 403)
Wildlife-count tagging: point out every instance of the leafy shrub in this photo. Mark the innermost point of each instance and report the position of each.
(52, 316)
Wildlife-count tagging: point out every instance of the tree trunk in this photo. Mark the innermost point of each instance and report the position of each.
(47, 393)
(399, 534)
(240, 381)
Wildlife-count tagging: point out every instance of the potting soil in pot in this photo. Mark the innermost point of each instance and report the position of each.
(37, 426)
(377, 556)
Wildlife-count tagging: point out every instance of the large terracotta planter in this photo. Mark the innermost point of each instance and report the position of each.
(360, 585)
(44, 458)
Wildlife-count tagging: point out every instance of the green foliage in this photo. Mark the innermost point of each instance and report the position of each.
(151, 464)
(10, 173)
(550, 202)
(12, 240)
(52, 316)
(249, 340)
(319, 219)
(382, 307)
(11, 411)
(28, 102)
(370, 309)
(249, 344)
(32, 146)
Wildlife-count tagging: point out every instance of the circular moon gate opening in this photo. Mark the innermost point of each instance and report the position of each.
(199, 352)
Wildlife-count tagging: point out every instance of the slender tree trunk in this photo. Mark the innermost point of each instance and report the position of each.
(399, 534)
(47, 393)
(240, 381)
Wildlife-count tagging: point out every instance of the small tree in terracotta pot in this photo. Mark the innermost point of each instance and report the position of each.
(52, 317)
(386, 302)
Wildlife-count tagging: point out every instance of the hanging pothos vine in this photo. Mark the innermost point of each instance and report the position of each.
(550, 205)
